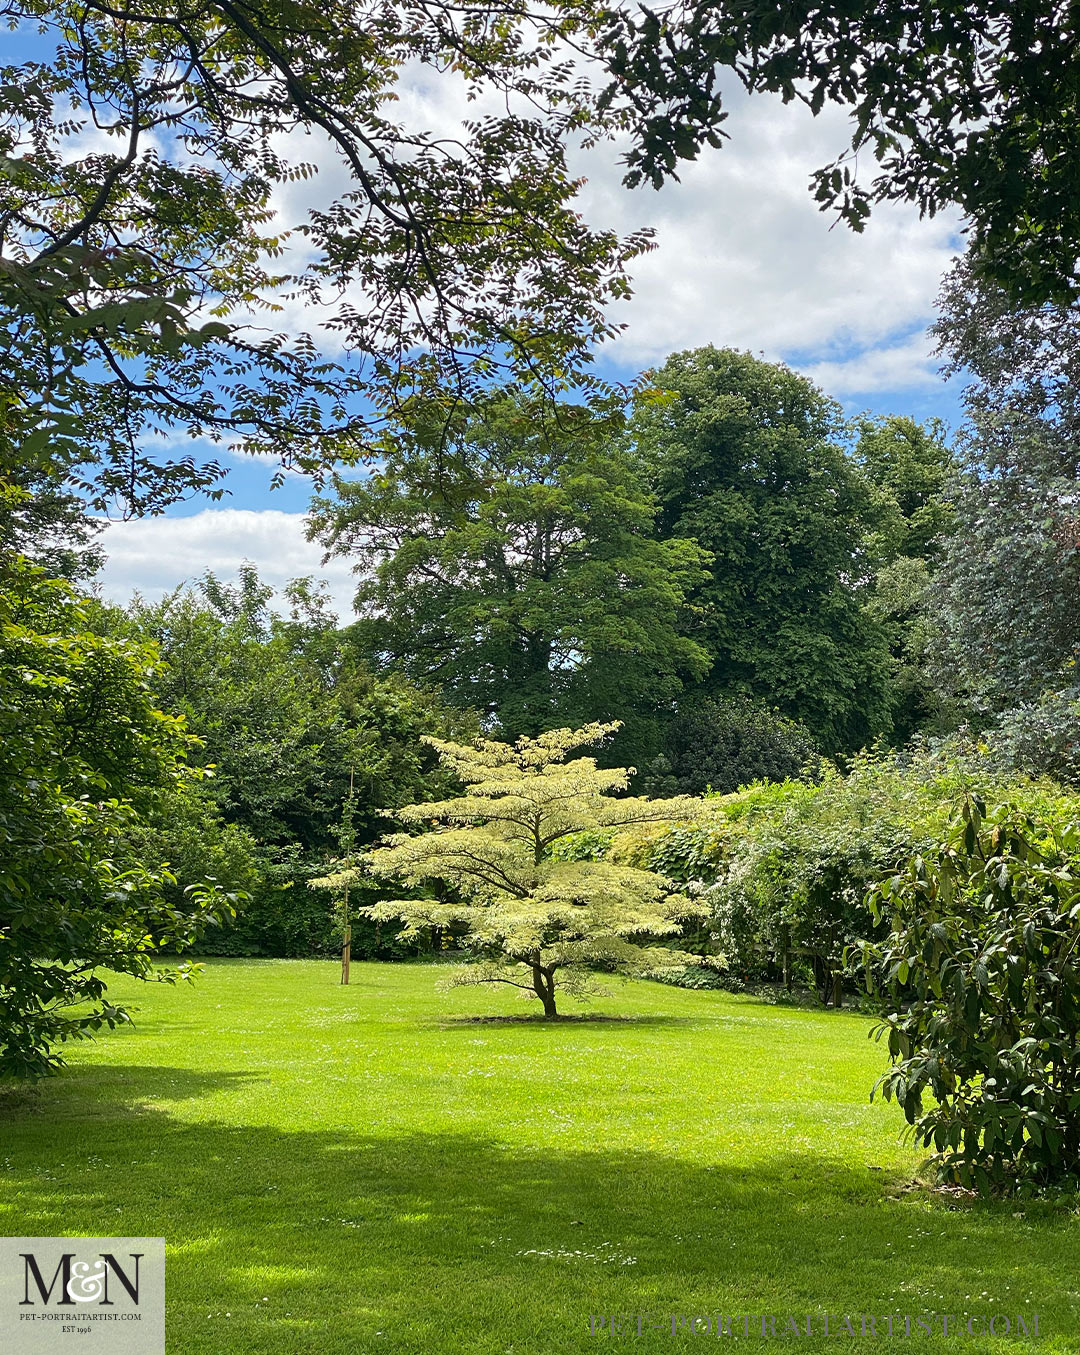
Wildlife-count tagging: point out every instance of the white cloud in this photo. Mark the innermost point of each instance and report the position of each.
(743, 256)
(152, 556)
(901, 366)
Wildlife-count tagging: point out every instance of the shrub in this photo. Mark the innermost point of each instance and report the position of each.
(802, 857)
(729, 742)
(981, 973)
(688, 853)
(697, 976)
(1041, 738)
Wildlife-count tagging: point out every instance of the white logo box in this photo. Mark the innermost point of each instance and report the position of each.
(82, 1295)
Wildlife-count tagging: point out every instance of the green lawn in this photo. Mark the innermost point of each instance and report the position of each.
(366, 1169)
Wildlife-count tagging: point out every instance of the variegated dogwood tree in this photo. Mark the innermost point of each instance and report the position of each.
(535, 921)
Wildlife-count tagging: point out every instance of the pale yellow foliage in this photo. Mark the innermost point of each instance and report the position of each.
(529, 915)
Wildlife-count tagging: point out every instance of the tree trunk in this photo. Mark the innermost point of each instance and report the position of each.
(544, 987)
(822, 976)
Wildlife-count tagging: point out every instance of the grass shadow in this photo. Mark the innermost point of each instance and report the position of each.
(342, 1240)
(571, 1018)
(117, 1089)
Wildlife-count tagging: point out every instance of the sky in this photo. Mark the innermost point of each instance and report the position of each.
(743, 258)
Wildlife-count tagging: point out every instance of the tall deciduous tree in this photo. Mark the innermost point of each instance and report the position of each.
(506, 555)
(535, 922)
(283, 707)
(1021, 358)
(1007, 594)
(910, 468)
(746, 460)
(910, 465)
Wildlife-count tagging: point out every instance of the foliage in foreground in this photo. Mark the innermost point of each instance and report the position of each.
(140, 244)
(982, 974)
(457, 251)
(85, 747)
(530, 916)
(972, 104)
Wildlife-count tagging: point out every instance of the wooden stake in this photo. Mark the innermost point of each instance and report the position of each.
(346, 955)
(346, 949)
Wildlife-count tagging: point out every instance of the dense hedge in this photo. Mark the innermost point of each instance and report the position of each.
(787, 867)
(286, 918)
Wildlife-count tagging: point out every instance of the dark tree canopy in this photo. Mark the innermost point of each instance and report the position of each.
(284, 710)
(141, 149)
(721, 745)
(745, 459)
(910, 467)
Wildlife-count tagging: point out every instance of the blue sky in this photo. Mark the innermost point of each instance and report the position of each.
(743, 258)
(249, 481)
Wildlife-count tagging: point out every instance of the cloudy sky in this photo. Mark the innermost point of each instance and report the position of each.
(743, 258)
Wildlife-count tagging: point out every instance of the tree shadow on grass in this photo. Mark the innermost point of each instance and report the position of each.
(571, 1018)
(342, 1241)
(88, 1090)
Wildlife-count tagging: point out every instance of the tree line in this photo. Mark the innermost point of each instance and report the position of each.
(720, 563)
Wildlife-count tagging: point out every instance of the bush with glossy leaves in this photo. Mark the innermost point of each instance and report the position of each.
(981, 974)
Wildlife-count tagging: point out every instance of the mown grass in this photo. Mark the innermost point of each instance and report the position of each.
(367, 1169)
